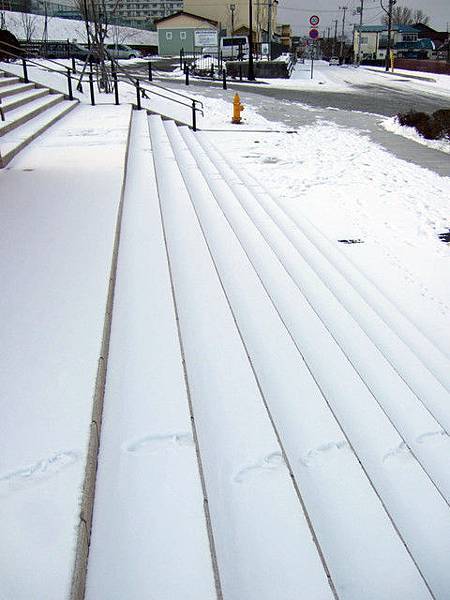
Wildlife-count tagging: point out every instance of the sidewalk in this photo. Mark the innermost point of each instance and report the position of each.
(57, 225)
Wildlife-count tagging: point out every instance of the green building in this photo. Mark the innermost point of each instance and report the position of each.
(185, 31)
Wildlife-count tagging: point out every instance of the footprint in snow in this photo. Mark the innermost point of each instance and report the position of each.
(317, 454)
(154, 443)
(39, 471)
(270, 462)
(439, 435)
(399, 453)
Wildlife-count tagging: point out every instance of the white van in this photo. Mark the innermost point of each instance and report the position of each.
(234, 46)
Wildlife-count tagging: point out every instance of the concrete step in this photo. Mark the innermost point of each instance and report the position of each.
(23, 98)
(20, 137)
(18, 116)
(7, 80)
(16, 88)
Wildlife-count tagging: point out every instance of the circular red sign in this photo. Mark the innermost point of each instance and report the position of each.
(314, 34)
(314, 20)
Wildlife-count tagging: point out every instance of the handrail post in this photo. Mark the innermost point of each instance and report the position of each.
(116, 88)
(181, 58)
(194, 116)
(187, 73)
(25, 72)
(224, 78)
(91, 87)
(2, 114)
(69, 84)
(138, 94)
(150, 75)
(74, 66)
(212, 70)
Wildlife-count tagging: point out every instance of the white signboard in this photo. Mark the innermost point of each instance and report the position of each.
(205, 37)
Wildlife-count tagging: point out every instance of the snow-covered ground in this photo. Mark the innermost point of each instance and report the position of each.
(71, 29)
(284, 291)
(343, 78)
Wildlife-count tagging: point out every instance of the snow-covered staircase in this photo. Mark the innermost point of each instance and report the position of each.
(319, 416)
(28, 110)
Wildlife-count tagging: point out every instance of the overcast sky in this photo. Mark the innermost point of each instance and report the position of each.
(297, 13)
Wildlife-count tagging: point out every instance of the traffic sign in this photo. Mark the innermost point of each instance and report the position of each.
(314, 20)
(314, 33)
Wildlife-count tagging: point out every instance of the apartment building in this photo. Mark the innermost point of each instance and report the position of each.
(139, 13)
(234, 15)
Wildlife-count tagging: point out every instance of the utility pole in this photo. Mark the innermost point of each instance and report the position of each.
(448, 45)
(389, 14)
(335, 37)
(269, 27)
(251, 71)
(341, 51)
(232, 9)
(361, 8)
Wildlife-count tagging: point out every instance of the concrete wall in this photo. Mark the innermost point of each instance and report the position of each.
(263, 69)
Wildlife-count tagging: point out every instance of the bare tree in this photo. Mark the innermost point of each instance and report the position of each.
(96, 18)
(420, 17)
(29, 23)
(403, 15)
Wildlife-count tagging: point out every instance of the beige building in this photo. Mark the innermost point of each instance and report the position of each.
(224, 13)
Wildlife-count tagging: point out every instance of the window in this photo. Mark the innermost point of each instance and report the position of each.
(168, 35)
(182, 35)
(364, 39)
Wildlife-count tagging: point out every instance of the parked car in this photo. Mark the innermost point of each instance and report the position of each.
(122, 51)
(80, 52)
(334, 60)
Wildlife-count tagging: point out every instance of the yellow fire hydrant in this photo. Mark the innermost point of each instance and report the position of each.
(237, 109)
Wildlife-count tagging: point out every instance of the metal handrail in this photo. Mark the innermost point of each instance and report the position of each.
(115, 67)
(128, 76)
(2, 43)
(136, 82)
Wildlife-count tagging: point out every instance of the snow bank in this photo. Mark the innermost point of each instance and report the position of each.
(75, 31)
(391, 124)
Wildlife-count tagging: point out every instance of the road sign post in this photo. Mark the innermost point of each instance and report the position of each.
(313, 35)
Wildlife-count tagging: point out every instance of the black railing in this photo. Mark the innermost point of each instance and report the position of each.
(196, 106)
(117, 73)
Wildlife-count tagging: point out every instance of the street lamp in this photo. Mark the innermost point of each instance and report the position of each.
(232, 9)
(251, 71)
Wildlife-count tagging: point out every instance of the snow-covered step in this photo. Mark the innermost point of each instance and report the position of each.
(424, 434)
(414, 341)
(13, 141)
(23, 98)
(417, 360)
(263, 541)
(149, 536)
(8, 80)
(358, 540)
(393, 470)
(24, 113)
(57, 233)
(16, 88)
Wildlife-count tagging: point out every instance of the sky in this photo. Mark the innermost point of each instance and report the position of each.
(297, 13)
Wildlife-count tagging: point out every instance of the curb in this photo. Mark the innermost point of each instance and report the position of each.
(79, 574)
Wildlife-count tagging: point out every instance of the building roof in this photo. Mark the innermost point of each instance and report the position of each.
(381, 28)
(185, 14)
(423, 44)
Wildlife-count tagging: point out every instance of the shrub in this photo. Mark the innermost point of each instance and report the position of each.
(431, 126)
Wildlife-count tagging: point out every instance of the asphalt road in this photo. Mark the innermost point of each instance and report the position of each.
(374, 98)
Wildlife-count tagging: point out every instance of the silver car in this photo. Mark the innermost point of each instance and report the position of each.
(122, 51)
